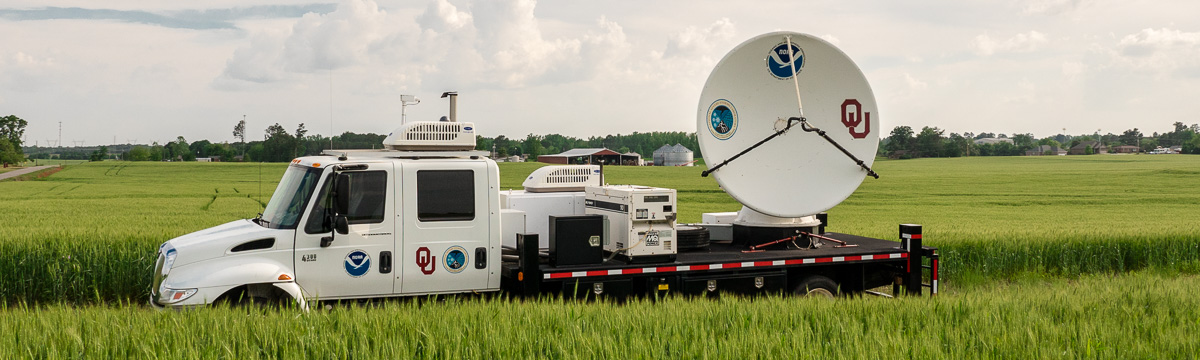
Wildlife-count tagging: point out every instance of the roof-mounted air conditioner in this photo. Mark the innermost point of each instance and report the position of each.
(432, 135)
(562, 178)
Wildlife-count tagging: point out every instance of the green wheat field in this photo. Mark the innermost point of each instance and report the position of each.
(1042, 257)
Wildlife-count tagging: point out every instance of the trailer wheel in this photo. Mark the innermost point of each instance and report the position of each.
(816, 286)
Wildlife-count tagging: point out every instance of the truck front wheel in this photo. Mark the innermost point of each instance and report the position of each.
(816, 286)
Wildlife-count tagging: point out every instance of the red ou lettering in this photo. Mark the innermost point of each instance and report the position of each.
(426, 261)
(852, 117)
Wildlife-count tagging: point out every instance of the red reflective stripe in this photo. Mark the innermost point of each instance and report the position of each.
(916, 236)
(665, 269)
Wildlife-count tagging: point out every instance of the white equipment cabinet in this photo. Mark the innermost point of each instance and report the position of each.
(641, 221)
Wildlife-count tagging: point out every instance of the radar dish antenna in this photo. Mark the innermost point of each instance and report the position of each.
(771, 152)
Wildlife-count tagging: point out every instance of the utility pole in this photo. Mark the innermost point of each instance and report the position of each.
(59, 133)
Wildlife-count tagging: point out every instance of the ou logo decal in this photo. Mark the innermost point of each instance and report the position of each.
(425, 260)
(853, 116)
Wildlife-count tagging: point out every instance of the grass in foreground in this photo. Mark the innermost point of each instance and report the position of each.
(1140, 315)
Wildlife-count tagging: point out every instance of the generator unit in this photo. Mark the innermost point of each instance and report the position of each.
(641, 221)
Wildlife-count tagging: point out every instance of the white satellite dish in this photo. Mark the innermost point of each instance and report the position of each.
(751, 95)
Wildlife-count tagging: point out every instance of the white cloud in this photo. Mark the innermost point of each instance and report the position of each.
(695, 41)
(1051, 7)
(1164, 53)
(487, 44)
(985, 45)
(914, 83)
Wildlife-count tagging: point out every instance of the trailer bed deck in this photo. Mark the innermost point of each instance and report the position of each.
(726, 256)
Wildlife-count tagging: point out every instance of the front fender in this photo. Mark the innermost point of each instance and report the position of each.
(230, 271)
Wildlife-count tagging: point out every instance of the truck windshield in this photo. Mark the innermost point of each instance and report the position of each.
(290, 198)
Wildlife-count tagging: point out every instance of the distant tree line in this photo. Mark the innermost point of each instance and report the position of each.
(533, 145)
(904, 143)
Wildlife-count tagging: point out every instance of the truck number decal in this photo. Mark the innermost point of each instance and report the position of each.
(426, 261)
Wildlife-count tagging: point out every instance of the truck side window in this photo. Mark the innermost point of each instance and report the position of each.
(445, 195)
(368, 198)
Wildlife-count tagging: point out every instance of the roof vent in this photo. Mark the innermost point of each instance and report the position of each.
(432, 135)
(562, 178)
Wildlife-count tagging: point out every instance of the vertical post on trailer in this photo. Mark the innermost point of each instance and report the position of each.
(531, 273)
(910, 235)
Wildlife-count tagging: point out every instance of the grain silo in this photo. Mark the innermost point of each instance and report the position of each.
(677, 155)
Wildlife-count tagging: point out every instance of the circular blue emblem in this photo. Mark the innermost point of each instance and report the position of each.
(723, 119)
(455, 259)
(779, 61)
(357, 263)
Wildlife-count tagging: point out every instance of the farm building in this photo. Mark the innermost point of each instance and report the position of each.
(1125, 149)
(1081, 148)
(591, 156)
(1045, 150)
(992, 141)
(677, 155)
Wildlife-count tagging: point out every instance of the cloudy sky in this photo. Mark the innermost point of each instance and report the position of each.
(152, 71)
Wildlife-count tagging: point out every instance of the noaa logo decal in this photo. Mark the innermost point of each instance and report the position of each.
(357, 263)
(723, 119)
(779, 61)
(455, 259)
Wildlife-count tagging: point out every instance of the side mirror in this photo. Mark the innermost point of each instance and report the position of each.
(341, 225)
(341, 194)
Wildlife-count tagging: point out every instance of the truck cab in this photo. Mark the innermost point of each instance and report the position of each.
(359, 224)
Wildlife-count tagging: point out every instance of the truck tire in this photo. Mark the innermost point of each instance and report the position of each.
(691, 238)
(816, 286)
(261, 296)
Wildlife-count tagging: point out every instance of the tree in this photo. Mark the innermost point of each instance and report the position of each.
(299, 147)
(8, 153)
(901, 139)
(929, 142)
(178, 150)
(239, 132)
(278, 146)
(99, 154)
(1130, 137)
(533, 146)
(1023, 142)
(12, 128)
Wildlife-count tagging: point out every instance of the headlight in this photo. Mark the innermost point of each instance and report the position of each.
(171, 296)
(170, 260)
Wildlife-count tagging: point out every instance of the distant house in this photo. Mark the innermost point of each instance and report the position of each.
(1081, 149)
(1177, 149)
(1125, 149)
(1045, 150)
(993, 141)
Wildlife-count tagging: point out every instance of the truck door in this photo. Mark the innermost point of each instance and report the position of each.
(361, 262)
(447, 227)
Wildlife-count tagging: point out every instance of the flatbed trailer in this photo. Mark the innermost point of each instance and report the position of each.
(868, 264)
